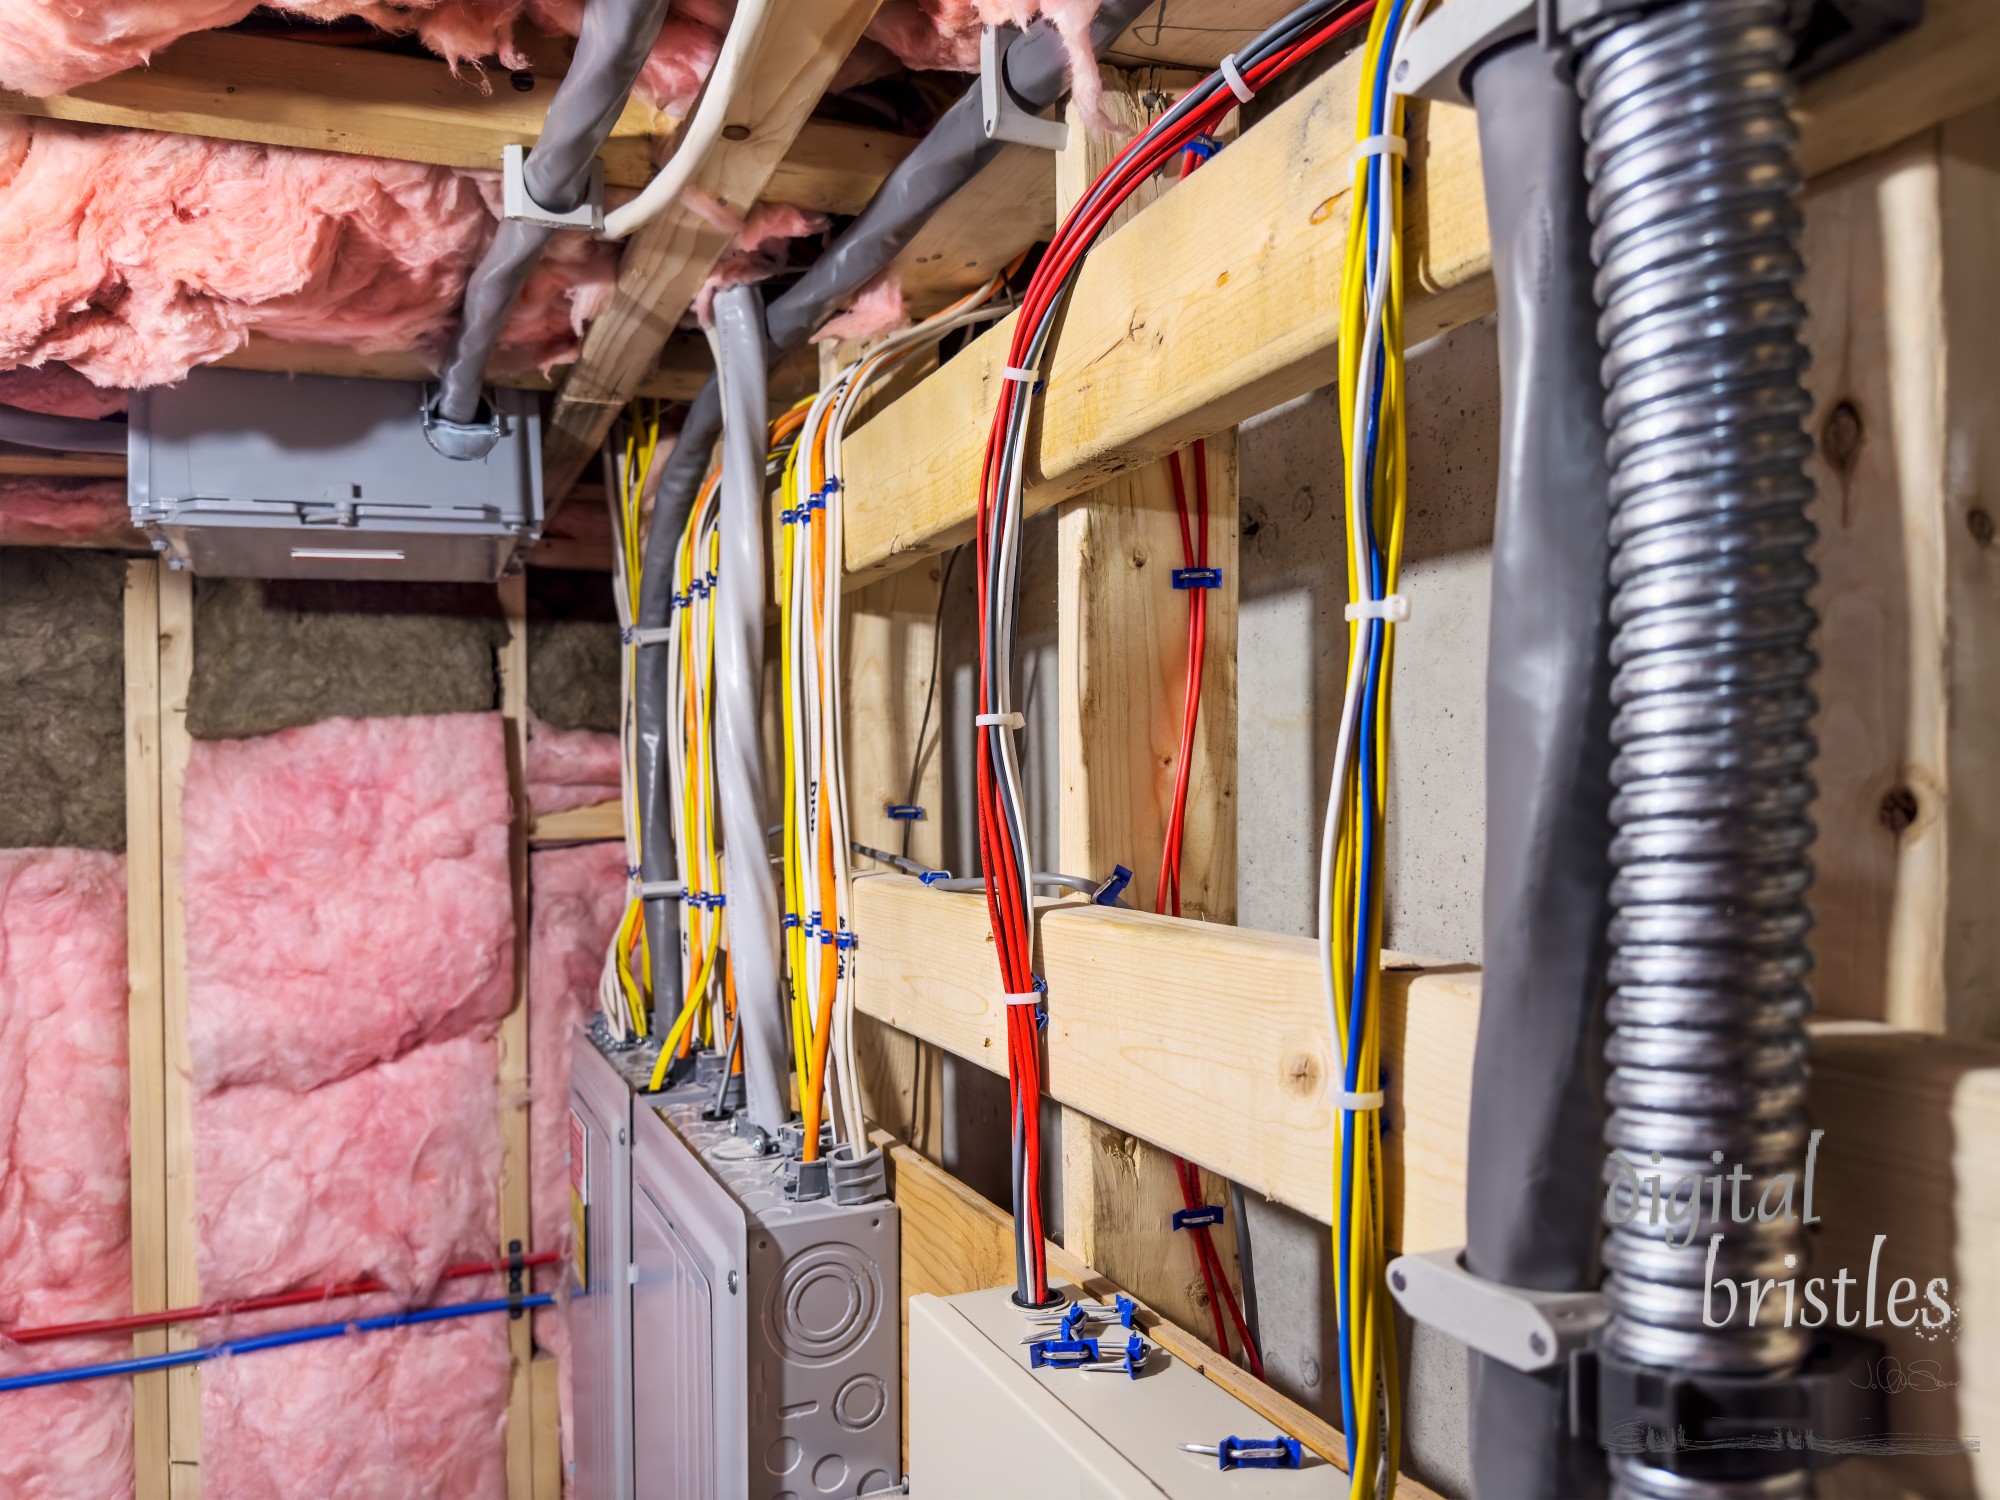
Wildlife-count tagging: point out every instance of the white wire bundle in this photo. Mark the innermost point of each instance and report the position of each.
(815, 771)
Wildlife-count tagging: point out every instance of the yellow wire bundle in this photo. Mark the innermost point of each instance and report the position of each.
(1376, 485)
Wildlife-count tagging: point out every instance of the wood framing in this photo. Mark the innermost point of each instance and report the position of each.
(789, 66)
(1898, 253)
(516, 1221)
(1220, 301)
(176, 657)
(1205, 1040)
(1122, 653)
(346, 99)
(146, 1016)
(1212, 1042)
(598, 822)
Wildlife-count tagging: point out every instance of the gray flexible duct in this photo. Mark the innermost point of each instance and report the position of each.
(752, 910)
(948, 158)
(1535, 1163)
(34, 429)
(1692, 161)
(616, 37)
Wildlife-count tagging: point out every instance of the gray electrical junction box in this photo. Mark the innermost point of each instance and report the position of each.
(728, 1341)
(238, 473)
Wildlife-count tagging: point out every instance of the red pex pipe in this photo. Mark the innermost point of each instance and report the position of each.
(134, 1322)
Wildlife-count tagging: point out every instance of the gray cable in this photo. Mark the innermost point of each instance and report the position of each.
(611, 48)
(752, 911)
(34, 429)
(1532, 1176)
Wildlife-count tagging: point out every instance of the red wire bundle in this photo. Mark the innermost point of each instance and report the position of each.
(1007, 899)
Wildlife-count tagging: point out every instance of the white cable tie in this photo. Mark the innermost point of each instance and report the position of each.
(1005, 721)
(1015, 372)
(1395, 608)
(1032, 997)
(648, 635)
(1243, 92)
(1361, 1101)
(1380, 145)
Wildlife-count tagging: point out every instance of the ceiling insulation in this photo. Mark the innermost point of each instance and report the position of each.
(133, 256)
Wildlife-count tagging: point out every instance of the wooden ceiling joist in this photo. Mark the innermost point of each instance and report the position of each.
(667, 260)
(363, 103)
(1220, 301)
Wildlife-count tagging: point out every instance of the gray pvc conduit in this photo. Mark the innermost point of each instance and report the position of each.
(752, 910)
(611, 48)
(1536, 1154)
(948, 158)
(34, 429)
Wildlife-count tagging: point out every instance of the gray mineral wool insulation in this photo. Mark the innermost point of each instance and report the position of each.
(572, 649)
(274, 654)
(62, 681)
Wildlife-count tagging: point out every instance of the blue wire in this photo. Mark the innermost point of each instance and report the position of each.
(316, 1332)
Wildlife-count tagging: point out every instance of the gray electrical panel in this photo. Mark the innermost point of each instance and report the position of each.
(238, 473)
(601, 1088)
(764, 1330)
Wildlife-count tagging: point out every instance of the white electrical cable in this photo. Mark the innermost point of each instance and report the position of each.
(1386, 244)
(699, 135)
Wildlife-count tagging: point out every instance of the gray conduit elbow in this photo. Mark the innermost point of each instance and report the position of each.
(34, 429)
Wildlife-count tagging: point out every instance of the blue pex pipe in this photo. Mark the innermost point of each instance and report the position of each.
(313, 1334)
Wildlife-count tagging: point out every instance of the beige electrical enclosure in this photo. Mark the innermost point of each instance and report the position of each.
(985, 1426)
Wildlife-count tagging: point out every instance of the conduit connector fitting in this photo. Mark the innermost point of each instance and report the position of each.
(462, 440)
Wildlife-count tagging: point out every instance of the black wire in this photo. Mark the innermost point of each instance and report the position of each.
(931, 693)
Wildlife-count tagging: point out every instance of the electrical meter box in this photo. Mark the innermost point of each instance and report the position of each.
(764, 1330)
(239, 473)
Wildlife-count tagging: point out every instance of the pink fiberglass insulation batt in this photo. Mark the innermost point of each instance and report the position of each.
(390, 1173)
(47, 46)
(65, 1198)
(347, 895)
(570, 768)
(579, 897)
(50, 512)
(407, 1414)
(134, 256)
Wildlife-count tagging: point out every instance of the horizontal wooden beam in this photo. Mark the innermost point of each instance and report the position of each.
(578, 825)
(1212, 1042)
(345, 99)
(1220, 300)
(1167, 1029)
(364, 103)
(15, 462)
(684, 365)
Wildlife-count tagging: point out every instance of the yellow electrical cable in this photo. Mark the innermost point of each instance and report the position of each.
(1367, 1328)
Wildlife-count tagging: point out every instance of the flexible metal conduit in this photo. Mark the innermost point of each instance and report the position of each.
(1692, 162)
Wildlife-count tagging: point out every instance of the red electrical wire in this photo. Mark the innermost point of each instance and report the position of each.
(1007, 899)
(135, 1321)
